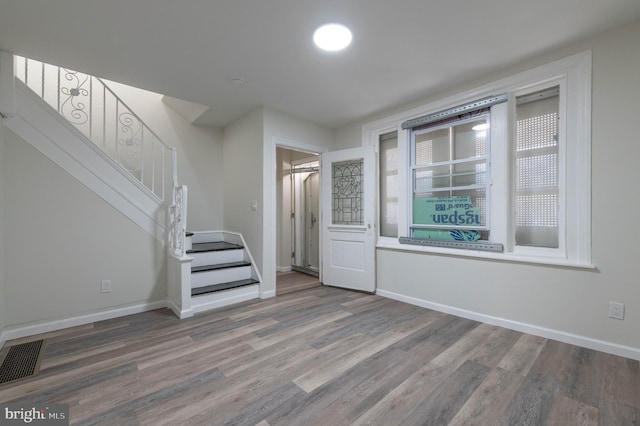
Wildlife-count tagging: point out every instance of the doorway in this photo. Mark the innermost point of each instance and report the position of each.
(298, 211)
(305, 214)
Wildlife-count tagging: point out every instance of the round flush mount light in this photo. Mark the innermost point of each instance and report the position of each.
(237, 81)
(332, 37)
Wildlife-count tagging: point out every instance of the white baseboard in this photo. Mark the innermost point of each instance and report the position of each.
(561, 336)
(180, 313)
(267, 294)
(19, 331)
(283, 269)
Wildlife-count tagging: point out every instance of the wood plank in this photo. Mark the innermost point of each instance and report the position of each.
(490, 400)
(448, 397)
(569, 411)
(325, 356)
(523, 354)
(532, 403)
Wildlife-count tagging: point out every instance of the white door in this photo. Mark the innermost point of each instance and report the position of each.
(348, 208)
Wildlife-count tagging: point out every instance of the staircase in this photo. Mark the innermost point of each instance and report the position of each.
(100, 141)
(216, 270)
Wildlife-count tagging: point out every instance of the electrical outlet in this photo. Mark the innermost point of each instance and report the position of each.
(105, 286)
(616, 310)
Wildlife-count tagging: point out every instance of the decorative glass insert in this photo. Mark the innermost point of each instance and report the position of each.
(346, 183)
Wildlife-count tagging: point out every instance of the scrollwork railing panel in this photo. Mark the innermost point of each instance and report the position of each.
(95, 110)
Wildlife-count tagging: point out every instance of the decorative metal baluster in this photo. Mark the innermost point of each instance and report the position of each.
(142, 157)
(91, 108)
(153, 166)
(73, 108)
(58, 91)
(75, 100)
(42, 88)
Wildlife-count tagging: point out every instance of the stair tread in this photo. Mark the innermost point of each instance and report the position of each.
(188, 234)
(222, 286)
(205, 268)
(215, 246)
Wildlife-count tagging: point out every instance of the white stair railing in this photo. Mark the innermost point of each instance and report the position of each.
(98, 113)
(178, 221)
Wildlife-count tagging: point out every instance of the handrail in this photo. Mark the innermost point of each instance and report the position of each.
(105, 119)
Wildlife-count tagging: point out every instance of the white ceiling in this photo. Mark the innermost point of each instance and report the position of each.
(401, 50)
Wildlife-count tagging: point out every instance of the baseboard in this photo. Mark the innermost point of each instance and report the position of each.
(19, 331)
(561, 336)
(283, 268)
(180, 313)
(267, 294)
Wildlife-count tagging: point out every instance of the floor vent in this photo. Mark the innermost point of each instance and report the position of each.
(21, 361)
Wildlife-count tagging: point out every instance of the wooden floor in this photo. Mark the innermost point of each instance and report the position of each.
(317, 355)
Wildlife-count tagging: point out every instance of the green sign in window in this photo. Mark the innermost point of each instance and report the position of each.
(452, 211)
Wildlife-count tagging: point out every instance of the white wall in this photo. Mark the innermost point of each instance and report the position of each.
(570, 302)
(60, 240)
(243, 180)
(3, 203)
(200, 158)
(283, 130)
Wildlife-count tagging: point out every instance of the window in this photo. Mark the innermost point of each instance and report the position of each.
(449, 176)
(500, 168)
(537, 185)
(388, 146)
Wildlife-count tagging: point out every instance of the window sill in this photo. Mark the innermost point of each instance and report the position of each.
(394, 244)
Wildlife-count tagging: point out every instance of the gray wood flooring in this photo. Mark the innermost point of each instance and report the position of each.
(317, 355)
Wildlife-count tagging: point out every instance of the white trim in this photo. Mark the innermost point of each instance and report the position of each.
(575, 72)
(18, 331)
(180, 313)
(224, 298)
(283, 269)
(393, 244)
(561, 336)
(267, 294)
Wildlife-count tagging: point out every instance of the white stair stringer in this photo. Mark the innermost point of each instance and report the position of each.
(48, 132)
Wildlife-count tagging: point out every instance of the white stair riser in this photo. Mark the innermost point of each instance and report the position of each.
(216, 257)
(188, 244)
(219, 276)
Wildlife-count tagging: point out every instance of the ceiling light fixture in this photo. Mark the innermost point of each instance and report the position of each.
(332, 37)
(237, 81)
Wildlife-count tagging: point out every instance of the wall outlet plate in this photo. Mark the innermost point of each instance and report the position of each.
(616, 310)
(105, 286)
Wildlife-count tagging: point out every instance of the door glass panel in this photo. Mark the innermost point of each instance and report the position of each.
(346, 183)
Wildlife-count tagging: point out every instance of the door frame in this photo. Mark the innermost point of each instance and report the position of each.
(269, 219)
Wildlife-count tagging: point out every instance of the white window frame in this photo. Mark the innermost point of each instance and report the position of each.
(573, 76)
